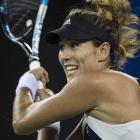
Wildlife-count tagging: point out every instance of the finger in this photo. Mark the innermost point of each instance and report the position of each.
(39, 73)
(43, 79)
(45, 73)
(44, 84)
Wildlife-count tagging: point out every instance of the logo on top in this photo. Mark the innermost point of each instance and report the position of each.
(67, 22)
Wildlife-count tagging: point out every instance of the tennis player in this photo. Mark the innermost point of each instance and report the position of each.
(94, 41)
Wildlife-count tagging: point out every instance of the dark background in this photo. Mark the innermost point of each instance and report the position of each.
(13, 63)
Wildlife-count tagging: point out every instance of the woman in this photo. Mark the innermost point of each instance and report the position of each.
(94, 42)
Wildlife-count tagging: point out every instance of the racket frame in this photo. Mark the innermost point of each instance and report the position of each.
(31, 52)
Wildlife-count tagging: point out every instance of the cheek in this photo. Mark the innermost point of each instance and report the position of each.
(59, 58)
(89, 56)
(82, 59)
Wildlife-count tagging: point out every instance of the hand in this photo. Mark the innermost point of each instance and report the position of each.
(40, 74)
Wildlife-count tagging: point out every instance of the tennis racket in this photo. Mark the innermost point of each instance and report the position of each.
(21, 19)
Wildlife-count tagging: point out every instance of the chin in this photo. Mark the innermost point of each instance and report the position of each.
(70, 76)
(68, 79)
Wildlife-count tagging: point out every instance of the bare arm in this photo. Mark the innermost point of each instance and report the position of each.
(69, 102)
(47, 133)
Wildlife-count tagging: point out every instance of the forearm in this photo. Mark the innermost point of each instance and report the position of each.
(27, 115)
(48, 133)
(25, 112)
(22, 101)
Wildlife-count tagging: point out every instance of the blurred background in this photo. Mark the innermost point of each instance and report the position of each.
(14, 63)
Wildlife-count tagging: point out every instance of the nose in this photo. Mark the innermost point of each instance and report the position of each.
(65, 54)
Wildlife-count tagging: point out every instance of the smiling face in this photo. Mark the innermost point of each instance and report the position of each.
(77, 57)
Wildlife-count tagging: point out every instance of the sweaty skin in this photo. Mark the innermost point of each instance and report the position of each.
(102, 93)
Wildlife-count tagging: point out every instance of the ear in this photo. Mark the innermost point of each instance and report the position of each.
(103, 51)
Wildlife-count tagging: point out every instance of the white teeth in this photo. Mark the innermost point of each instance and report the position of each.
(70, 72)
(71, 69)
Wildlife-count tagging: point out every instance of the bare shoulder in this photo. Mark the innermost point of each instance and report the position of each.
(105, 78)
(121, 77)
(111, 81)
(108, 76)
(117, 94)
(112, 75)
(96, 85)
(119, 83)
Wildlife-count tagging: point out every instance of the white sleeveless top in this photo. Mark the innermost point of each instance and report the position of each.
(106, 131)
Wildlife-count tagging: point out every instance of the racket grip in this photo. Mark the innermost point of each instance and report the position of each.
(34, 65)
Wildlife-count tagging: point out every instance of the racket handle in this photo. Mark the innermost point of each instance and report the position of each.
(34, 65)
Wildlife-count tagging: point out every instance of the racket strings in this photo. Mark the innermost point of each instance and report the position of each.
(16, 25)
(21, 16)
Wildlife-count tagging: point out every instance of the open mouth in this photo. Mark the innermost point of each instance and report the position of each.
(71, 69)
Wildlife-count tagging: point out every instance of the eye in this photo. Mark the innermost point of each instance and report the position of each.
(73, 45)
(61, 47)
